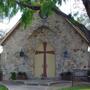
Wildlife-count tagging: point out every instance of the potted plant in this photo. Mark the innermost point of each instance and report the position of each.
(13, 75)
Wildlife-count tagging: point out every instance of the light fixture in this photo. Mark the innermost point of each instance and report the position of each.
(22, 53)
(1, 49)
(88, 48)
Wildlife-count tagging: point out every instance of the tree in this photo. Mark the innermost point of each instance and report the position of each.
(87, 6)
(28, 8)
(8, 8)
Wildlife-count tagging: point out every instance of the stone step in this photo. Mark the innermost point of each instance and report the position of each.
(25, 87)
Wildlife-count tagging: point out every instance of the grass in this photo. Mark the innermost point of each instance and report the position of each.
(77, 88)
(3, 87)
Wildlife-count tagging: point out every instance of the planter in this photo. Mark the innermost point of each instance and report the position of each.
(88, 75)
(1, 75)
(66, 76)
(21, 76)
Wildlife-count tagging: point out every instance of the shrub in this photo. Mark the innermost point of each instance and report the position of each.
(13, 75)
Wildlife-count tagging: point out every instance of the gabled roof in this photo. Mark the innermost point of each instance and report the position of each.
(9, 33)
(81, 29)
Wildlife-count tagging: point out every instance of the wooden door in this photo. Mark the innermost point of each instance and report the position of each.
(44, 61)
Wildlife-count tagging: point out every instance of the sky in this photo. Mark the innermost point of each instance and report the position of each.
(75, 7)
(71, 6)
(7, 24)
(77, 10)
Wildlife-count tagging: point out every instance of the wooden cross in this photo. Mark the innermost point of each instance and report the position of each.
(45, 52)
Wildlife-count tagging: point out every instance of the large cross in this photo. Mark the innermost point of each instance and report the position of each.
(45, 52)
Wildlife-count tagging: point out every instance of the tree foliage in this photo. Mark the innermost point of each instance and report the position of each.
(9, 8)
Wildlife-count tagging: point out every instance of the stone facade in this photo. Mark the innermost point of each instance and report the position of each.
(70, 48)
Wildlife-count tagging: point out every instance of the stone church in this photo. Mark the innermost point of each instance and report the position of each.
(45, 48)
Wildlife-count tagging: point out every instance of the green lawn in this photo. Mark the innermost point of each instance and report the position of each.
(77, 88)
(3, 87)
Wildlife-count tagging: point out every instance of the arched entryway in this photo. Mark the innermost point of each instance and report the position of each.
(44, 64)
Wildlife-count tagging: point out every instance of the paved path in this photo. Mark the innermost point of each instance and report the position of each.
(25, 87)
(22, 86)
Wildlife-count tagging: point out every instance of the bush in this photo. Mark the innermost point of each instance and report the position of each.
(13, 75)
(2, 87)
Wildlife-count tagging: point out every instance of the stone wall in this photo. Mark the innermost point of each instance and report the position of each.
(70, 49)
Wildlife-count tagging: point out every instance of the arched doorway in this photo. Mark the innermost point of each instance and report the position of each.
(44, 64)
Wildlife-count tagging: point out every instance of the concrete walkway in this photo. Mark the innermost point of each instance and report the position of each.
(25, 87)
(21, 86)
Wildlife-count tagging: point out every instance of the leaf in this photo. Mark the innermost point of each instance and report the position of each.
(60, 1)
(47, 7)
(9, 8)
(27, 17)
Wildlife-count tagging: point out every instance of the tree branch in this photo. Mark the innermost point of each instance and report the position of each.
(28, 6)
(87, 6)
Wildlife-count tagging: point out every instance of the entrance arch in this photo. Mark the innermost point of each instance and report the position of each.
(44, 61)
